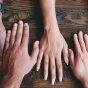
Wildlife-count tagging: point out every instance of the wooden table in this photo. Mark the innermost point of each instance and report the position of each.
(72, 16)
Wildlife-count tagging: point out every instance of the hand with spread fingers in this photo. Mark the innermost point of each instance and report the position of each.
(16, 60)
(52, 43)
(79, 64)
(51, 48)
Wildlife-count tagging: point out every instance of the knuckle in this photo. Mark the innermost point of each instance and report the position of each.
(80, 55)
(16, 45)
(12, 37)
(51, 53)
(25, 35)
(46, 63)
(65, 54)
(59, 66)
(56, 53)
(45, 52)
(18, 35)
(52, 75)
(53, 67)
(45, 71)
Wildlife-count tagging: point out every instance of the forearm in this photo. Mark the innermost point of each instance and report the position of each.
(48, 12)
(13, 81)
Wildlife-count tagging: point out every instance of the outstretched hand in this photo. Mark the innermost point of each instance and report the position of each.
(79, 64)
(16, 60)
(51, 47)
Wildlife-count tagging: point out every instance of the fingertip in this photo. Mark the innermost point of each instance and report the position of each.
(80, 32)
(38, 67)
(45, 77)
(65, 53)
(36, 43)
(15, 24)
(71, 57)
(75, 35)
(53, 81)
(67, 61)
(20, 22)
(9, 31)
(70, 51)
(26, 24)
(85, 36)
(60, 78)
(36, 46)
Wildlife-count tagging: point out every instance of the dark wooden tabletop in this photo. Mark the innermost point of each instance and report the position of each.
(72, 16)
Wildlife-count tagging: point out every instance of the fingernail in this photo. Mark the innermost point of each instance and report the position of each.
(9, 31)
(37, 68)
(45, 77)
(26, 24)
(53, 81)
(81, 32)
(60, 79)
(37, 43)
(20, 22)
(15, 24)
(67, 62)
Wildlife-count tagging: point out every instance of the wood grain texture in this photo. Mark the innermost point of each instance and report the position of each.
(72, 16)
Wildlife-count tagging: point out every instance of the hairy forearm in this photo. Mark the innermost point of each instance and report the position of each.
(11, 81)
(48, 12)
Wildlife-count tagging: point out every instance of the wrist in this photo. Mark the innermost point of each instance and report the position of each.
(50, 26)
(85, 83)
(50, 19)
(11, 81)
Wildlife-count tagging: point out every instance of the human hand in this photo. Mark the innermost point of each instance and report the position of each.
(79, 64)
(51, 46)
(2, 37)
(16, 60)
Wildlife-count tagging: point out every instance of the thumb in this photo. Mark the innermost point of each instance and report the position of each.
(71, 58)
(35, 52)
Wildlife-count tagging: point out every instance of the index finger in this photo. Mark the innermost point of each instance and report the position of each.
(76, 43)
